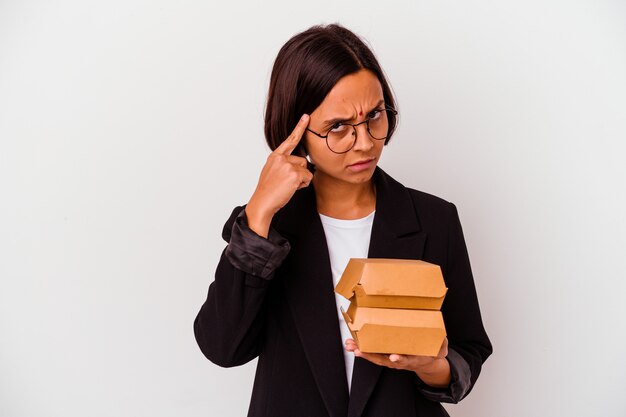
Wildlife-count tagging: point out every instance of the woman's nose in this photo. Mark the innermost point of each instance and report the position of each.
(363, 140)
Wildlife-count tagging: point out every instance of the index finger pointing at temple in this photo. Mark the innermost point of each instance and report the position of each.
(292, 140)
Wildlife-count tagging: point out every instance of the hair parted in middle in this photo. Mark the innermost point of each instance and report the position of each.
(307, 67)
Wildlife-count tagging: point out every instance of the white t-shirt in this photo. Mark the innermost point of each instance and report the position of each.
(346, 239)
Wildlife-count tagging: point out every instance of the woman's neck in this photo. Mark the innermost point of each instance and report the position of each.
(343, 200)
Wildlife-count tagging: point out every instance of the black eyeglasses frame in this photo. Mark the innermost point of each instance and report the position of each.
(366, 121)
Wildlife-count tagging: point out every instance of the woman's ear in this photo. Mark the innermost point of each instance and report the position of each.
(302, 151)
(310, 166)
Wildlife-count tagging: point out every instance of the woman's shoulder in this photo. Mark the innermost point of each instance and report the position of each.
(420, 198)
(433, 211)
(428, 200)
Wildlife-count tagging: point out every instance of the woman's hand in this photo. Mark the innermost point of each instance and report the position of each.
(282, 175)
(433, 370)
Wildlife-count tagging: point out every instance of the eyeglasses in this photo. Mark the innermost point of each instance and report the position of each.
(340, 138)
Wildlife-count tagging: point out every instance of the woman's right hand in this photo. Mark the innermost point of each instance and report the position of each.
(282, 175)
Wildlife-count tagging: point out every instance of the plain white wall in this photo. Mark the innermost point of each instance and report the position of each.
(118, 118)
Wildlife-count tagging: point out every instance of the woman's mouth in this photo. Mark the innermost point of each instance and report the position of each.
(361, 165)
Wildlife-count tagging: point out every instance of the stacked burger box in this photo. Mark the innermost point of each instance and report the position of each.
(395, 305)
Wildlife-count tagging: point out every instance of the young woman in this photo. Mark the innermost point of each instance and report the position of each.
(273, 297)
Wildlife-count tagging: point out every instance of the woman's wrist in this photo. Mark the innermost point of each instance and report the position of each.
(259, 220)
(436, 374)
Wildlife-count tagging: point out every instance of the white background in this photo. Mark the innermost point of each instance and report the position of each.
(119, 120)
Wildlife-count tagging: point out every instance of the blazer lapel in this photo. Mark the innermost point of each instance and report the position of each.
(395, 234)
(310, 294)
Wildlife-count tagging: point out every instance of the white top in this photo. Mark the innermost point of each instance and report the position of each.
(346, 239)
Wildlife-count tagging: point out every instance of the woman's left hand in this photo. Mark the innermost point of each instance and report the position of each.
(433, 370)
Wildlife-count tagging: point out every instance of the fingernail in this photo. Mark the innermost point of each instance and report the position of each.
(304, 117)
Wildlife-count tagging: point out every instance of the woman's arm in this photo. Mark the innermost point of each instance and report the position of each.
(432, 370)
(449, 376)
(229, 326)
(468, 343)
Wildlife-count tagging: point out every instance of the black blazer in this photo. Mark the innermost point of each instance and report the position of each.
(288, 316)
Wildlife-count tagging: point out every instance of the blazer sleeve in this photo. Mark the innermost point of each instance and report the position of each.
(229, 326)
(468, 343)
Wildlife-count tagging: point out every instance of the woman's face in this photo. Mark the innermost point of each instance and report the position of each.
(351, 100)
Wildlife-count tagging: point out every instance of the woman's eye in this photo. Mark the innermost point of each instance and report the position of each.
(337, 128)
(374, 114)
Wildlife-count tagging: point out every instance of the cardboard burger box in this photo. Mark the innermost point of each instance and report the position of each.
(394, 305)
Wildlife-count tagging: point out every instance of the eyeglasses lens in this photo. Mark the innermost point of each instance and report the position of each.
(342, 139)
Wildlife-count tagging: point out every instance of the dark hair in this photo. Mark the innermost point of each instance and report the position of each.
(307, 68)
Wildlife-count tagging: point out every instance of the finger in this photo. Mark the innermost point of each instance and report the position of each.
(390, 361)
(402, 361)
(293, 139)
(304, 184)
(351, 345)
(398, 359)
(377, 358)
(306, 178)
(297, 160)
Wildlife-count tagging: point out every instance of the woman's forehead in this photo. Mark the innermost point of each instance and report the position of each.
(353, 94)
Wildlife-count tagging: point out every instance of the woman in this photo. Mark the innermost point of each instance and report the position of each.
(273, 298)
